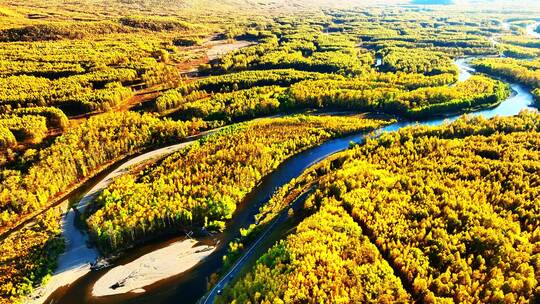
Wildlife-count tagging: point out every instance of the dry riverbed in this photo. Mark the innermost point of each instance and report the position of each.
(75, 261)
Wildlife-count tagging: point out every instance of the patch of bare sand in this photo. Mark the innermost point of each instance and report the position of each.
(151, 268)
(218, 49)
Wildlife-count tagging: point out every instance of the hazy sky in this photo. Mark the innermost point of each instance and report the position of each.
(479, 4)
(522, 3)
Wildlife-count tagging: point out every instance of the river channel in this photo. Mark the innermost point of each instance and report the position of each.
(191, 285)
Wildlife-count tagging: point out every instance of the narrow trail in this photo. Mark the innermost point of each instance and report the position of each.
(75, 262)
(255, 247)
(140, 97)
(78, 255)
(520, 99)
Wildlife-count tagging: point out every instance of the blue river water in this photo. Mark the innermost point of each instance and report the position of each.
(191, 285)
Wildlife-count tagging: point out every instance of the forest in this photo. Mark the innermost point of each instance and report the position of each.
(27, 264)
(202, 185)
(435, 203)
(328, 249)
(522, 71)
(423, 214)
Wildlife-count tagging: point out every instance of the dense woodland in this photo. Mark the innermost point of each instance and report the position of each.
(522, 71)
(86, 84)
(78, 154)
(411, 83)
(201, 185)
(41, 178)
(452, 209)
(327, 258)
(26, 264)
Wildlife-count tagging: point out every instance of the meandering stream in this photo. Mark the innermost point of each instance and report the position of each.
(189, 286)
(531, 30)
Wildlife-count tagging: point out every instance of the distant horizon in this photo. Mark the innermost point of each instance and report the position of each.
(269, 151)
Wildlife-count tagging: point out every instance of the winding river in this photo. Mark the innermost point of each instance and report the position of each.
(190, 286)
(531, 30)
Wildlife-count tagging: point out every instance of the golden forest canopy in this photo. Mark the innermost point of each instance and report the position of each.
(85, 84)
(452, 209)
(328, 258)
(217, 173)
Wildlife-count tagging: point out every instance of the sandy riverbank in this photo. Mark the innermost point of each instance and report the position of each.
(58, 280)
(75, 261)
(151, 268)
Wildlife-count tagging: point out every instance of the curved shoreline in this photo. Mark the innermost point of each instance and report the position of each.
(75, 262)
(78, 265)
(531, 30)
(290, 168)
(520, 97)
(151, 268)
